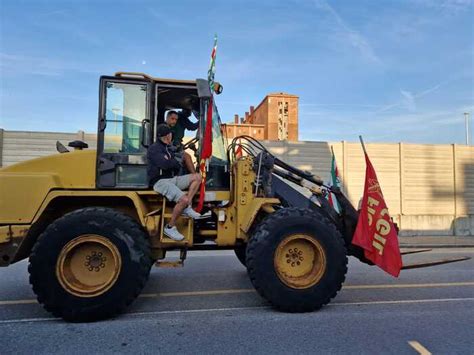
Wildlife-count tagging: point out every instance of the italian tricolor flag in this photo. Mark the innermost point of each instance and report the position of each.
(206, 150)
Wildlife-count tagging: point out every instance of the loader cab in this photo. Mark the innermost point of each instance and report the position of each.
(130, 108)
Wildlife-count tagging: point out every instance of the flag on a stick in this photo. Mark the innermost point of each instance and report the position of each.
(206, 147)
(375, 232)
(335, 181)
(212, 65)
(238, 151)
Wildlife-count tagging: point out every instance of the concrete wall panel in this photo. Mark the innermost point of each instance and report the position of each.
(429, 189)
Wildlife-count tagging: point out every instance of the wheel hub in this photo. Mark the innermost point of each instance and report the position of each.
(299, 261)
(95, 261)
(294, 257)
(88, 265)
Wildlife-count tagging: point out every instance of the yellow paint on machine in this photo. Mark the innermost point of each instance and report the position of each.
(24, 186)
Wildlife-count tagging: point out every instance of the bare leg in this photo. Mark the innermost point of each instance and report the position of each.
(186, 200)
(188, 163)
(182, 203)
(194, 187)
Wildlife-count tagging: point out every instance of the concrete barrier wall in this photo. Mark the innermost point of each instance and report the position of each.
(16, 146)
(429, 189)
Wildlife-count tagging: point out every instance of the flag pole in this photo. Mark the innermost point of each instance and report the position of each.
(363, 145)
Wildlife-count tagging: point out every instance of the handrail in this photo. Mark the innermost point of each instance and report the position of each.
(121, 74)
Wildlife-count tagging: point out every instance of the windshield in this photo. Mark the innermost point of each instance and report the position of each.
(219, 155)
(218, 141)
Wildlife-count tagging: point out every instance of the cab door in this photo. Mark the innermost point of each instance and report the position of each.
(123, 133)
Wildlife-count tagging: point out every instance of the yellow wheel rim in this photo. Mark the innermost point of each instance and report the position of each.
(88, 265)
(300, 261)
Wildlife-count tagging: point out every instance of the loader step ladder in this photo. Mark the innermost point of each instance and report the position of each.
(184, 225)
(174, 263)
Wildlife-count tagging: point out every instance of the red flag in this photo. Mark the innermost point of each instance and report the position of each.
(238, 151)
(206, 153)
(375, 232)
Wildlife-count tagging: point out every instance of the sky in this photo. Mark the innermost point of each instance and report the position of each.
(392, 71)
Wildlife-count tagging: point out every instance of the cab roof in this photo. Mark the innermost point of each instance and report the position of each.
(136, 75)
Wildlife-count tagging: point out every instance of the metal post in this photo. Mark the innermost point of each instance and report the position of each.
(466, 121)
(1, 147)
(363, 145)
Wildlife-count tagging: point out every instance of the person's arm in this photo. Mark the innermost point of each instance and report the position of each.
(162, 161)
(186, 122)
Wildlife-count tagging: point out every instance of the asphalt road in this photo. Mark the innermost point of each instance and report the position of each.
(209, 306)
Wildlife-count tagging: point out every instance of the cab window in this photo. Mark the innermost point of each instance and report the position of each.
(125, 109)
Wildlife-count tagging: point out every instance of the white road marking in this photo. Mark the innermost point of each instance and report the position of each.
(251, 290)
(419, 348)
(439, 284)
(229, 309)
(429, 300)
(28, 320)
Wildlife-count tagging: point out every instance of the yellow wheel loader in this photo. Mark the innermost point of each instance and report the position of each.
(92, 227)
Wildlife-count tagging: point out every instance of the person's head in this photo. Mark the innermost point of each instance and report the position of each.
(171, 118)
(163, 132)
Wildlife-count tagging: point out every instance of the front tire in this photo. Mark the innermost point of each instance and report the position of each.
(296, 260)
(90, 264)
(241, 253)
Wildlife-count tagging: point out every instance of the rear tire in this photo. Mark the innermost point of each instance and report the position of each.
(296, 260)
(90, 264)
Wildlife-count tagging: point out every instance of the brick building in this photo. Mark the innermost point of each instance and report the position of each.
(274, 119)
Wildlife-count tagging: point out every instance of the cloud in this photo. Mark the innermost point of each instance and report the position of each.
(343, 105)
(447, 6)
(349, 35)
(276, 32)
(43, 66)
(62, 21)
(408, 100)
(413, 127)
(54, 13)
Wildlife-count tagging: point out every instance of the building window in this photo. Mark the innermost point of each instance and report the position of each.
(282, 120)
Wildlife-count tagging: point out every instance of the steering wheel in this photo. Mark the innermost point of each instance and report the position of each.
(191, 144)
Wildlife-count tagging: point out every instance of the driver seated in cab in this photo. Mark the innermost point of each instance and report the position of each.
(162, 173)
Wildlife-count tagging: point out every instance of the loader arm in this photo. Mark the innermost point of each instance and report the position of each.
(283, 184)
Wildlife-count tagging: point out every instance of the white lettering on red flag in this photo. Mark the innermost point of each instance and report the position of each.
(375, 232)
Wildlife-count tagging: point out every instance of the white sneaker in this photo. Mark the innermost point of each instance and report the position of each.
(172, 232)
(189, 212)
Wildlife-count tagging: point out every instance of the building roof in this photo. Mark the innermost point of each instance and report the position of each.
(275, 94)
(281, 94)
